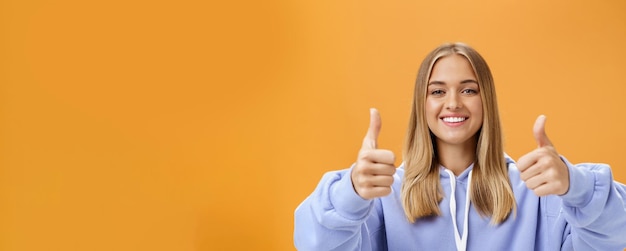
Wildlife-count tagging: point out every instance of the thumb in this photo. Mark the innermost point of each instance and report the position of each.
(539, 131)
(371, 138)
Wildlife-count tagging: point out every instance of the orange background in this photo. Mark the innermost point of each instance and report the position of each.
(195, 125)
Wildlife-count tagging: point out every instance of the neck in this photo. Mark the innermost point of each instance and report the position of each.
(456, 158)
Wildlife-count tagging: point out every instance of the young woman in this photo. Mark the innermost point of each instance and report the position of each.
(457, 189)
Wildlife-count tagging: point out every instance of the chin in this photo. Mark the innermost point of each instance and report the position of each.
(456, 140)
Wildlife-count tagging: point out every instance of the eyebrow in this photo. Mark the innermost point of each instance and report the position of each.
(467, 81)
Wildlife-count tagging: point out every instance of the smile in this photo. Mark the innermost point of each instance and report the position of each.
(454, 119)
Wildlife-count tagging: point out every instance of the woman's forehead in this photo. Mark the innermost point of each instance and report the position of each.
(453, 68)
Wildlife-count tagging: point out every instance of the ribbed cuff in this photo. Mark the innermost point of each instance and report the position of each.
(346, 201)
(581, 186)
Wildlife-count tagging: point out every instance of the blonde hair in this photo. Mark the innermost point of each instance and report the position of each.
(491, 191)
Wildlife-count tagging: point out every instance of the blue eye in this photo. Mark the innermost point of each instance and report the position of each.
(469, 91)
(437, 92)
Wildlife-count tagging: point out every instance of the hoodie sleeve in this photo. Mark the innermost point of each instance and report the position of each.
(334, 217)
(595, 208)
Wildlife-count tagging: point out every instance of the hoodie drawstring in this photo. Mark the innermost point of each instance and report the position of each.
(461, 242)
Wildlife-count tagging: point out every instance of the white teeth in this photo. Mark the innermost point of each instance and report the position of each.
(453, 119)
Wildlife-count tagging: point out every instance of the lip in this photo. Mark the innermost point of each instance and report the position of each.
(454, 124)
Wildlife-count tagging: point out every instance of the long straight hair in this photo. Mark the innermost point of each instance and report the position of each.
(491, 191)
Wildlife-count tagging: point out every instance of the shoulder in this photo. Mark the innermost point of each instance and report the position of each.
(398, 178)
(399, 172)
(514, 173)
(517, 184)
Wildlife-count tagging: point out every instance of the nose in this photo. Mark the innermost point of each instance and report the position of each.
(453, 102)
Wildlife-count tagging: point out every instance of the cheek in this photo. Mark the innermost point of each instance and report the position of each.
(431, 108)
(477, 108)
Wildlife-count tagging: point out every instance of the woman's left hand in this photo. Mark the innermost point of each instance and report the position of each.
(542, 169)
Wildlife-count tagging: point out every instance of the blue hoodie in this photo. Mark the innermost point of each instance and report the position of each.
(590, 216)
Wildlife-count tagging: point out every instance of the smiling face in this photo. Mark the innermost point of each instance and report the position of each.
(453, 109)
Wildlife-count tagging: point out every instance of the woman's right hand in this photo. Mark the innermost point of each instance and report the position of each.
(372, 176)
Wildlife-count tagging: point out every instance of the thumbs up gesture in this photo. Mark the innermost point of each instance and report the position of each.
(542, 169)
(372, 176)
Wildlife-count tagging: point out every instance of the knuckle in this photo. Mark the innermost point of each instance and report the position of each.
(363, 166)
(367, 154)
(543, 165)
(391, 156)
(357, 181)
(366, 194)
(358, 168)
(363, 182)
(386, 191)
(554, 175)
(387, 170)
(364, 154)
(392, 170)
(388, 181)
(523, 177)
